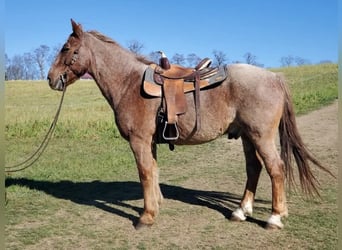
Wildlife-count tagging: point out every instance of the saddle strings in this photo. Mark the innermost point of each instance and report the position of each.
(40, 150)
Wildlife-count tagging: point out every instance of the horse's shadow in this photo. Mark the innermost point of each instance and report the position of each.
(99, 194)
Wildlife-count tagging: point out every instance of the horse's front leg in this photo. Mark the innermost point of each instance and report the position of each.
(148, 174)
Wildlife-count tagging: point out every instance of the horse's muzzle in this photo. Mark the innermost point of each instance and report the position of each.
(58, 84)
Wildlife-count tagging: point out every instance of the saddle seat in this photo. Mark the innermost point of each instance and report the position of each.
(176, 71)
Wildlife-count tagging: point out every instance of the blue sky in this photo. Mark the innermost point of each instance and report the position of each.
(269, 29)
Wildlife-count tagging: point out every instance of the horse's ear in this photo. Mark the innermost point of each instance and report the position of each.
(77, 29)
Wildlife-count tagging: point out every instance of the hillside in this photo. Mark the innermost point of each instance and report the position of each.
(312, 86)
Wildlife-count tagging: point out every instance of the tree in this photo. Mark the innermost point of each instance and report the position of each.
(325, 62)
(154, 56)
(21, 67)
(40, 56)
(135, 46)
(219, 58)
(30, 71)
(193, 59)
(53, 54)
(7, 64)
(178, 59)
(301, 61)
(16, 68)
(287, 61)
(251, 59)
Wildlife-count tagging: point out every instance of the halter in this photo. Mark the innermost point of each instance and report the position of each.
(74, 57)
(63, 75)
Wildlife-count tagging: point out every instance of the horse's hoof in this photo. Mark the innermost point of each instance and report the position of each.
(238, 215)
(274, 222)
(272, 227)
(235, 219)
(140, 226)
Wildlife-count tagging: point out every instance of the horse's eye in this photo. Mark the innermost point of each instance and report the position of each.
(65, 48)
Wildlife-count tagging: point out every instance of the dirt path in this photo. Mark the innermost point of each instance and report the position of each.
(320, 130)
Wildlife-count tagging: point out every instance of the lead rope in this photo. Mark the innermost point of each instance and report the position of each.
(36, 155)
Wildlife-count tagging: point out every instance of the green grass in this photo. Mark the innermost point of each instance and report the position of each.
(84, 192)
(312, 86)
(30, 108)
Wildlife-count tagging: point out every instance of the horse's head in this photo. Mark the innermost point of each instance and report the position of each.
(72, 61)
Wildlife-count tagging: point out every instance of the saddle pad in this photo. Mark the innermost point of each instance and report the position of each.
(152, 88)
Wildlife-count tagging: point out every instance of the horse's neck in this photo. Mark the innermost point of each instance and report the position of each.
(111, 67)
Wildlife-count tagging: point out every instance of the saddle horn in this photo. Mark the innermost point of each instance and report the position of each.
(164, 61)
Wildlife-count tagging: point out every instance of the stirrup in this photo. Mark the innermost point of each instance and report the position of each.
(170, 138)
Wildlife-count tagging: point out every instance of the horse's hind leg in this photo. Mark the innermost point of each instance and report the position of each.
(275, 168)
(253, 168)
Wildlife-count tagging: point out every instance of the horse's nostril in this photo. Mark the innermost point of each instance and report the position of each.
(49, 80)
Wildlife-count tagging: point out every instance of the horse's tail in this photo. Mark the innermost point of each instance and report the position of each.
(291, 142)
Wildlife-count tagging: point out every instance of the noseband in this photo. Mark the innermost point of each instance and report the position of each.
(62, 77)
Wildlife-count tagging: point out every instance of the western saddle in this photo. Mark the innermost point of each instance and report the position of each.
(171, 82)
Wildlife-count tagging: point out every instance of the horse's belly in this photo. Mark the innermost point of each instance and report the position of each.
(197, 138)
(210, 129)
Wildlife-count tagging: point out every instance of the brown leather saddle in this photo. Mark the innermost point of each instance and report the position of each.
(171, 85)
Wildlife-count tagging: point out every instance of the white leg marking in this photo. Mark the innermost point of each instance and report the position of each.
(275, 220)
(238, 213)
(248, 208)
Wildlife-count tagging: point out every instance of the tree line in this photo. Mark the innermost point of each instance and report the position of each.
(33, 65)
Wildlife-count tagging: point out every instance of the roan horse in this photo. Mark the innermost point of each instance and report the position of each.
(251, 103)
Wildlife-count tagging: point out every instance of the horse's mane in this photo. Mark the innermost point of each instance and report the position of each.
(102, 37)
(107, 39)
(144, 60)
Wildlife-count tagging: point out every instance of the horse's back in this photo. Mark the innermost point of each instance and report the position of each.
(251, 81)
